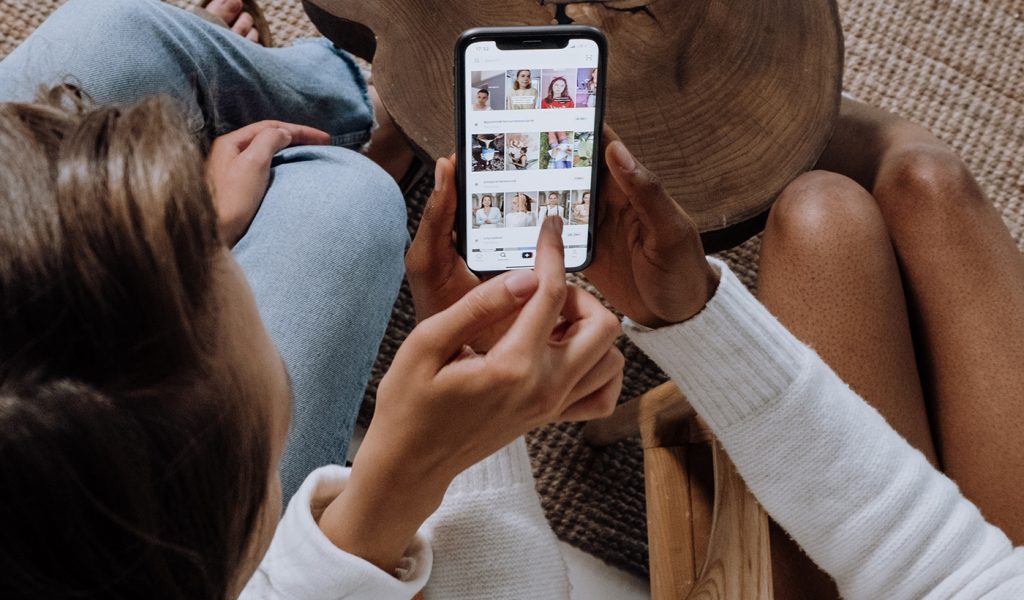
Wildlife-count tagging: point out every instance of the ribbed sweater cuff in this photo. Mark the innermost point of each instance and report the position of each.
(731, 359)
(303, 563)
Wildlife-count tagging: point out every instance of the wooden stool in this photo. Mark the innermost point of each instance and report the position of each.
(727, 101)
(697, 549)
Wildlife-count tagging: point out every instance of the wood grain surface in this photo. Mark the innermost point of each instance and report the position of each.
(727, 101)
(738, 562)
(670, 539)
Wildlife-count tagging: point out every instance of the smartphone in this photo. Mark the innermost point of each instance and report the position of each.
(529, 108)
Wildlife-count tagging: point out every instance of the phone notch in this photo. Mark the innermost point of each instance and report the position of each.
(543, 43)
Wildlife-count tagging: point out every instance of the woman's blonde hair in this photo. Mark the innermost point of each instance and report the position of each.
(133, 462)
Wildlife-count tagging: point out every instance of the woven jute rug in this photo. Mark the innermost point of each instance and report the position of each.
(955, 67)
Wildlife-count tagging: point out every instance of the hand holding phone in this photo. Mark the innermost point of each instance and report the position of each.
(652, 267)
(442, 407)
(437, 275)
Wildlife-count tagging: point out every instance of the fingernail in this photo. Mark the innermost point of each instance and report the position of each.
(521, 283)
(286, 133)
(622, 156)
(439, 181)
(556, 223)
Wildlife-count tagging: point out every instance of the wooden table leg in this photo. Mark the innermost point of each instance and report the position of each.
(673, 561)
(731, 558)
(739, 561)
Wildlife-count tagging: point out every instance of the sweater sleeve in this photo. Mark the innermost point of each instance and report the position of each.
(867, 507)
(490, 537)
(302, 564)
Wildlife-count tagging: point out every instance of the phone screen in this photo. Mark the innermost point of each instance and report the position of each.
(530, 117)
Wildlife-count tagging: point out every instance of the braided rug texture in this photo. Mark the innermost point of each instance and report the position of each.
(956, 67)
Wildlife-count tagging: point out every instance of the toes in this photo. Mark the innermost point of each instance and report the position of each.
(243, 25)
(228, 10)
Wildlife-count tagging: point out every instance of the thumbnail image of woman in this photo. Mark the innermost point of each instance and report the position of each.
(488, 211)
(581, 209)
(586, 89)
(488, 152)
(558, 95)
(554, 206)
(483, 100)
(517, 159)
(520, 212)
(522, 93)
(559, 150)
(493, 82)
(583, 149)
(523, 151)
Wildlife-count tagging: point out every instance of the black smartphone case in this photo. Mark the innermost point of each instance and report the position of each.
(554, 33)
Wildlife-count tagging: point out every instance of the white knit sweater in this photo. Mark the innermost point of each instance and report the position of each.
(868, 508)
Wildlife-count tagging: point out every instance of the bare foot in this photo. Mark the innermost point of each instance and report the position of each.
(240, 21)
(388, 147)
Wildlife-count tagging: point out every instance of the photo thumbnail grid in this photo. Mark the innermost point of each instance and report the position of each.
(529, 151)
(533, 89)
(529, 208)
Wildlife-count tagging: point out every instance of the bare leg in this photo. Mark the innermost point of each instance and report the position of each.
(388, 147)
(964, 282)
(964, 279)
(828, 272)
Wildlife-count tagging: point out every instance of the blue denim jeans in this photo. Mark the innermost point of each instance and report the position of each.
(324, 253)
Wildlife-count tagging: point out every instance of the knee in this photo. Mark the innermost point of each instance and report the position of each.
(362, 207)
(821, 210)
(116, 16)
(125, 33)
(918, 181)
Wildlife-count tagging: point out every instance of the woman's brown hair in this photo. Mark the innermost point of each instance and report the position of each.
(133, 464)
(551, 88)
(515, 82)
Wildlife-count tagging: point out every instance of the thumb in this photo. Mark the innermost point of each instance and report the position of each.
(265, 145)
(433, 248)
(438, 221)
(443, 335)
(647, 196)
